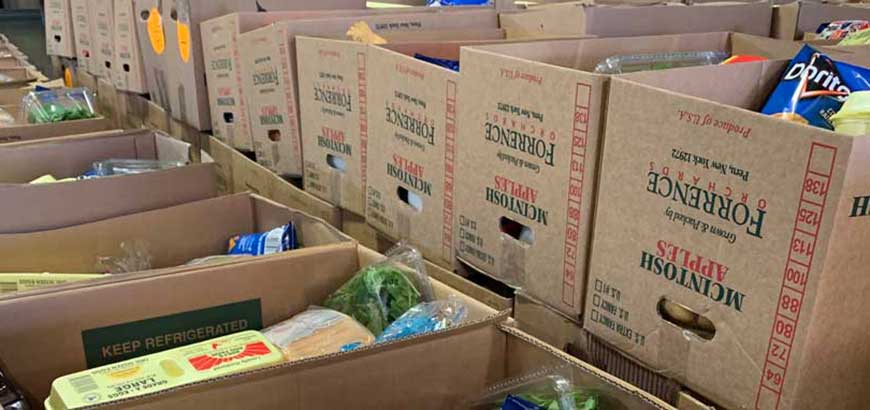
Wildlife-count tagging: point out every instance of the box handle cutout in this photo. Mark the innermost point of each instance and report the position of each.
(145, 14)
(336, 162)
(57, 38)
(173, 14)
(108, 64)
(126, 68)
(411, 198)
(681, 316)
(516, 230)
(274, 135)
(229, 118)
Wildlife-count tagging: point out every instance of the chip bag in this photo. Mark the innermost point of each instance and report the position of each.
(280, 239)
(814, 87)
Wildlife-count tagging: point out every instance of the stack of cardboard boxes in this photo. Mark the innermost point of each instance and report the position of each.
(653, 224)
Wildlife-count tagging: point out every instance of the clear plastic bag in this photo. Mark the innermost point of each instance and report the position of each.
(425, 318)
(316, 332)
(546, 389)
(6, 119)
(134, 258)
(380, 293)
(280, 239)
(658, 61)
(109, 167)
(64, 104)
(216, 259)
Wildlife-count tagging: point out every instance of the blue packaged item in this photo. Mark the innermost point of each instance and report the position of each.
(280, 239)
(425, 317)
(814, 87)
(447, 3)
(516, 403)
(448, 64)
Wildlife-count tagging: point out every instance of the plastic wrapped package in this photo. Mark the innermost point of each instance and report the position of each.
(6, 119)
(11, 397)
(441, 62)
(547, 389)
(6, 79)
(134, 258)
(64, 104)
(110, 167)
(216, 259)
(280, 239)
(658, 61)
(380, 293)
(317, 332)
(424, 318)
(840, 29)
(448, 3)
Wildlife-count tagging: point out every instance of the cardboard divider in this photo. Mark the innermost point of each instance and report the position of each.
(30, 207)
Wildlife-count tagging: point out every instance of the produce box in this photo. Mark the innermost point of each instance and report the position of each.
(792, 21)
(269, 67)
(243, 295)
(528, 162)
(150, 33)
(83, 32)
(220, 43)
(583, 18)
(31, 207)
(14, 77)
(170, 237)
(59, 40)
(728, 244)
(104, 38)
(128, 72)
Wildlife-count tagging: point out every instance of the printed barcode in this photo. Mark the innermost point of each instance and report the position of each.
(8, 287)
(83, 384)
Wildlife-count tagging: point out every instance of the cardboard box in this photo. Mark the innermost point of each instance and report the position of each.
(411, 164)
(171, 236)
(527, 161)
(83, 31)
(150, 32)
(127, 72)
(247, 294)
(45, 206)
(220, 46)
(269, 69)
(59, 40)
(18, 76)
(104, 34)
(753, 223)
(27, 132)
(187, 87)
(582, 18)
(793, 20)
(240, 174)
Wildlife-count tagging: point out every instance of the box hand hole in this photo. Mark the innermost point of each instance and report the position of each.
(516, 230)
(684, 318)
(411, 198)
(336, 162)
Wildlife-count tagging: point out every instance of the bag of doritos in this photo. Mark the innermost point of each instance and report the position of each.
(814, 87)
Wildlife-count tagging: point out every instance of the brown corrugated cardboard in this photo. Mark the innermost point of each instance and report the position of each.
(558, 330)
(127, 72)
(753, 223)
(184, 51)
(44, 206)
(59, 40)
(272, 288)
(27, 132)
(17, 76)
(411, 163)
(581, 18)
(269, 67)
(461, 365)
(241, 175)
(104, 38)
(151, 35)
(171, 236)
(527, 160)
(229, 114)
(83, 31)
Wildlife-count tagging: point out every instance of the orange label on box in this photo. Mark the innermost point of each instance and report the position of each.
(183, 31)
(67, 77)
(155, 31)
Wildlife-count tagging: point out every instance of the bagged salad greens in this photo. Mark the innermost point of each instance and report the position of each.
(64, 104)
(547, 389)
(380, 293)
